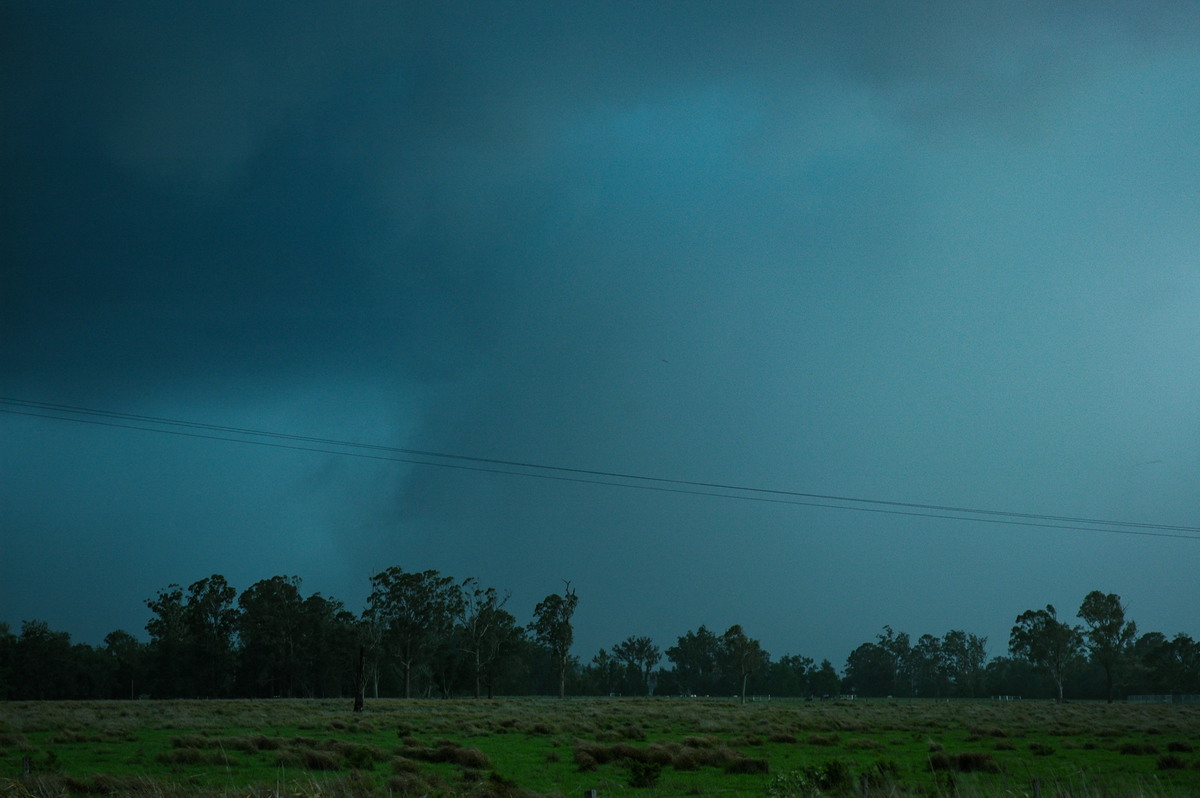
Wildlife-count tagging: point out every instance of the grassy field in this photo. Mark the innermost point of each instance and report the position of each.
(619, 747)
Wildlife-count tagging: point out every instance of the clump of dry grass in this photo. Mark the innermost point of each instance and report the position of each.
(1137, 749)
(864, 744)
(449, 752)
(965, 762)
(823, 739)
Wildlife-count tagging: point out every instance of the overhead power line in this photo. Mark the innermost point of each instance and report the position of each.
(194, 429)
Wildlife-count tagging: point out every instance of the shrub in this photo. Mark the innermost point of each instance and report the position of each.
(644, 774)
(1171, 762)
(782, 738)
(402, 764)
(939, 761)
(864, 744)
(823, 739)
(318, 760)
(1180, 747)
(747, 766)
(1041, 749)
(967, 762)
(976, 762)
(1137, 749)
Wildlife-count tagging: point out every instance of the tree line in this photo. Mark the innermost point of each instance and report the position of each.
(425, 634)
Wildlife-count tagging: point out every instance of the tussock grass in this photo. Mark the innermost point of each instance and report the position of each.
(526, 747)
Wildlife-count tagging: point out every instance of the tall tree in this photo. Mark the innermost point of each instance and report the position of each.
(8, 645)
(330, 638)
(172, 676)
(552, 627)
(1050, 644)
(870, 670)
(1108, 636)
(416, 613)
(210, 620)
(696, 656)
(1173, 665)
(743, 655)
(639, 654)
(899, 652)
(125, 654)
(42, 663)
(928, 667)
(791, 675)
(603, 674)
(825, 681)
(488, 629)
(963, 657)
(270, 628)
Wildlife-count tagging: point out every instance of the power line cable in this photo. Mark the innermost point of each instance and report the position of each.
(587, 476)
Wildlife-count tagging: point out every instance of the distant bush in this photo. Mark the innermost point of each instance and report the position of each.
(1137, 749)
(1171, 762)
(966, 762)
(987, 732)
(823, 739)
(1180, 747)
(644, 774)
(319, 760)
(1041, 749)
(747, 766)
(864, 744)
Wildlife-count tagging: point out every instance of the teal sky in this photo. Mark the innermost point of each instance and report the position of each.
(941, 255)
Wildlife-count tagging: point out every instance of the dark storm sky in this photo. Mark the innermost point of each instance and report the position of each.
(934, 253)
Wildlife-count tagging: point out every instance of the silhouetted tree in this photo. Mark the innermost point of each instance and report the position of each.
(963, 657)
(269, 628)
(743, 656)
(696, 656)
(552, 627)
(791, 675)
(825, 680)
(210, 621)
(1108, 637)
(640, 655)
(8, 644)
(169, 645)
(415, 612)
(126, 655)
(1050, 644)
(489, 632)
(869, 671)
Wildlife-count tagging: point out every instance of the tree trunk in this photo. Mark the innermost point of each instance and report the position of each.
(360, 680)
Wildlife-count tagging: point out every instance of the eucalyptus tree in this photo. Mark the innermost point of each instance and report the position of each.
(963, 656)
(414, 614)
(743, 655)
(1050, 644)
(1108, 636)
(552, 628)
(270, 628)
(641, 655)
(210, 621)
(489, 632)
(696, 656)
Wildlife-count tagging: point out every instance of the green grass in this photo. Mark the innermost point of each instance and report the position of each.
(620, 747)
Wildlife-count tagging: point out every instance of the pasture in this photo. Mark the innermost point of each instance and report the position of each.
(618, 747)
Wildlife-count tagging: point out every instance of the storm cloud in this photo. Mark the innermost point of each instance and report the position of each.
(937, 255)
